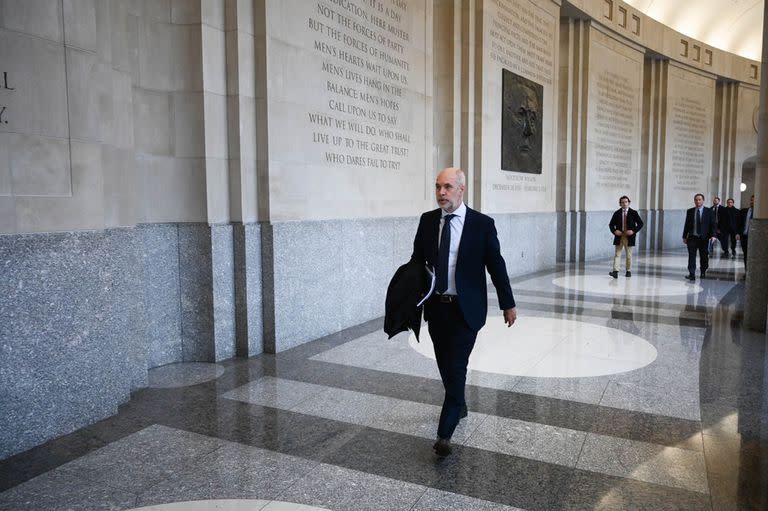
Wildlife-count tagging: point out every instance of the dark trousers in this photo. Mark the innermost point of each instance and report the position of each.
(744, 240)
(699, 245)
(728, 239)
(453, 341)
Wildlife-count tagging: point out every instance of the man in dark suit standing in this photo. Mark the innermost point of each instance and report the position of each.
(728, 224)
(460, 244)
(716, 211)
(699, 229)
(624, 225)
(745, 219)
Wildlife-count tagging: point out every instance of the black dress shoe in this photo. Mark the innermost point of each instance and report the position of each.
(703, 274)
(691, 277)
(628, 274)
(442, 447)
(614, 274)
(464, 412)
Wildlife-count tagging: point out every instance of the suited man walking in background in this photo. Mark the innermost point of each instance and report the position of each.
(699, 229)
(745, 219)
(624, 225)
(717, 209)
(728, 223)
(460, 244)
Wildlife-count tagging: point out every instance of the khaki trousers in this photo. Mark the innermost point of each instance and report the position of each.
(623, 244)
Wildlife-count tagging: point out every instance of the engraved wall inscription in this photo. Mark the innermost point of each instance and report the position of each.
(520, 40)
(687, 161)
(689, 143)
(365, 69)
(613, 123)
(615, 131)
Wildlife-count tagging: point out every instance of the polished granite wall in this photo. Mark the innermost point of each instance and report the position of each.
(672, 222)
(73, 332)
(86, 314)
(331, 275)
(756, 301)
(597, 240)
(249, 324)
(328, 275)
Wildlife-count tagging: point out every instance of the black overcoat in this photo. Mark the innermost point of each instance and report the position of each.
(634, 223)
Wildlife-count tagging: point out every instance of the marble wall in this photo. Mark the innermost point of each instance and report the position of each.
(349, 109)
(689, 134)
(613, 122)
(102, 103)
(745, 139)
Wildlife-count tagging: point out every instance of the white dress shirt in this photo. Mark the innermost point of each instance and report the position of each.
(457, 227)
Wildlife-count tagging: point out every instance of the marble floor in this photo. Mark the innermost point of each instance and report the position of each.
(632, 393)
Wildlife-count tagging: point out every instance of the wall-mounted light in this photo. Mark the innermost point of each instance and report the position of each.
(743, 187)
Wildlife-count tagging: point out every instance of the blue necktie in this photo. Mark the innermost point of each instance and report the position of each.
(442, 255)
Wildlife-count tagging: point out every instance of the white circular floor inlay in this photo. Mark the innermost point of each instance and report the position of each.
(230, 505)
(549, 347)
(636, 286)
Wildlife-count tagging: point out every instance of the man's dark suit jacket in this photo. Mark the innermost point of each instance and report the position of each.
(478, 249)
(728, 221)
(634, 223)
(716, 212)
(707, 223)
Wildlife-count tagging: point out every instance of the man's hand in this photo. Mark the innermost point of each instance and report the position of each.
(617, 232)
(685, 241)
(510, 315)
(738, 237)
(630, 232)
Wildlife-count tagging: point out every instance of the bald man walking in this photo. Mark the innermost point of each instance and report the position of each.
(460, 244)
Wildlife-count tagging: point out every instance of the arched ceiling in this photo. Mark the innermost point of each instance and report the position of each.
(732, 25)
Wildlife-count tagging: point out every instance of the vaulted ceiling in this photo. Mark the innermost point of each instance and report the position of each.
(732, 25)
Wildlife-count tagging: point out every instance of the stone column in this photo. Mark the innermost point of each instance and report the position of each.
(756, 299)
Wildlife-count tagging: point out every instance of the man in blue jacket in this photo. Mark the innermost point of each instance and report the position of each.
(460, 244)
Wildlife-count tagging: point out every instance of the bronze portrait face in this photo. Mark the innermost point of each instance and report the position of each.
(521, 105)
